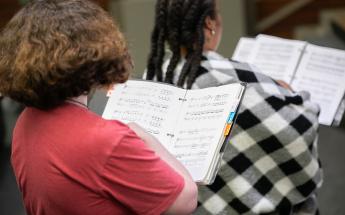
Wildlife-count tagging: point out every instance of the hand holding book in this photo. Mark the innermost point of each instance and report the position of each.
(284, 84)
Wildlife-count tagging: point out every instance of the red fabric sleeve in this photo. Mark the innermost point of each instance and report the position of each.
(135, 176)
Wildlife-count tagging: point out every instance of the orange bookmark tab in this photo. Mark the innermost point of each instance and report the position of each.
(227, 129)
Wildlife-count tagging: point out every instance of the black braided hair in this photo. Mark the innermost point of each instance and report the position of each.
(180, 23)
(157, 41)
(189, 35)
(174, 32)
(194, 70)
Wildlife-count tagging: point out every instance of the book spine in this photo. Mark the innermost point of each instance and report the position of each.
(173, 130)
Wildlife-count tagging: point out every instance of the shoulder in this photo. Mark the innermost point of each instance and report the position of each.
(112, 131)
(82, 122)
(261, 89)
(222, 71)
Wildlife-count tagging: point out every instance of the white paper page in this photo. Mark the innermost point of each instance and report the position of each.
(243, 49)
(201, 125)
(276, 57)
(149, 104)
(322, 73)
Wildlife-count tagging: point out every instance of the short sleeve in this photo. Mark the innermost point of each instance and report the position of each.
(135, 176)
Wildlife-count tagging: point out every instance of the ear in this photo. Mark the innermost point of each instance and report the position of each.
(210, 24)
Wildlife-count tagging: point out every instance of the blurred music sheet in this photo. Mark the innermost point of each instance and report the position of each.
(277, 57)
(322, 73)
(243, 49)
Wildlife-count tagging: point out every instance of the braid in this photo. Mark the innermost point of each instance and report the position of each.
(194, 71)
(189, 22)
(181, 24)
(150, 65)
(185, 69)
(157, 41)
(160, 55)
(174, 23)
(187, 6)
(192, 33)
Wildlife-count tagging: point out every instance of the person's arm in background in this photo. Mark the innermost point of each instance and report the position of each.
(285, 85)
(186, 202)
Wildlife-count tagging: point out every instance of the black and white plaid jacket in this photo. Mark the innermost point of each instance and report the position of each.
(271, 164)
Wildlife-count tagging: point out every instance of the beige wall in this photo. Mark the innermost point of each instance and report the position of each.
(136, 20)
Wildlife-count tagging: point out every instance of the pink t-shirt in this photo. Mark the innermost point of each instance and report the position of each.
(70, 161)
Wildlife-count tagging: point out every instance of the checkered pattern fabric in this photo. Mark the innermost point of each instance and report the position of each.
(271, 164)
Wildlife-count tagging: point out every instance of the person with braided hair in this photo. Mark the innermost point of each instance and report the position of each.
(66, 159)
(271, 163)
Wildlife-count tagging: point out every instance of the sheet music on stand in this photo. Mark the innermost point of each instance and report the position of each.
(304, 66)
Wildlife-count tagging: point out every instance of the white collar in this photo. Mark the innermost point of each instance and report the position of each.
(212, 55)
(80, 100)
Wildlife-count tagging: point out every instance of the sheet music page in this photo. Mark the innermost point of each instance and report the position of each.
(276, 57)
(322, 73)
(149, 104)
(243, 49)
(200, 127)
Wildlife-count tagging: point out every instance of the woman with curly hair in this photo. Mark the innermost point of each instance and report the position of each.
(66, 159)
(271, 164)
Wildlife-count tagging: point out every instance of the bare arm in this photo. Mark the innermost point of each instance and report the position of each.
(285, 85)
(186, 202)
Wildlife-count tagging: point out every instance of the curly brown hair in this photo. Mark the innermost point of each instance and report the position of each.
(53, 50)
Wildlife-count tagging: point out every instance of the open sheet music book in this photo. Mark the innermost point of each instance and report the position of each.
(306, 67)
(193, 125)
